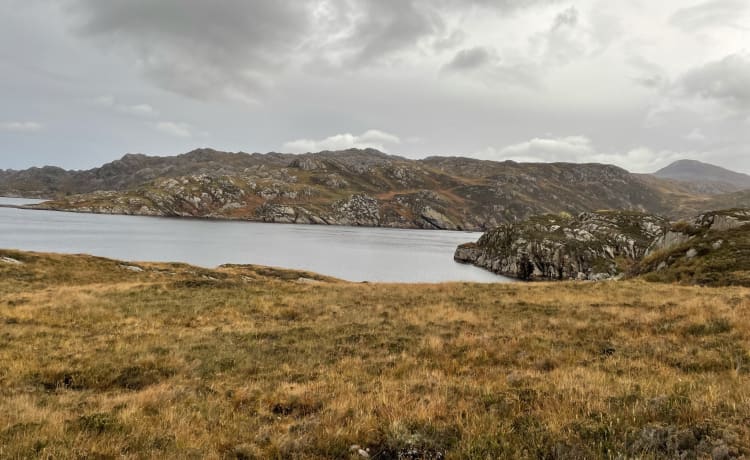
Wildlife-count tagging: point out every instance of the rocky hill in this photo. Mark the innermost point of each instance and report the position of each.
(712, 248)
(352, 187)
(591, 246)
(704, 178)
(131, 171)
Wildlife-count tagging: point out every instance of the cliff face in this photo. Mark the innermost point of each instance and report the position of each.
(352, 187)
(594, 246)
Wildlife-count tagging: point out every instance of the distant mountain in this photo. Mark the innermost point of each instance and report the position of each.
(350, 187)
(355, 187)
(704, 177)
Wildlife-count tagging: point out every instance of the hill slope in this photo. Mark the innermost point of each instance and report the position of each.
(356, 187)
(352, 187)
(711, 249)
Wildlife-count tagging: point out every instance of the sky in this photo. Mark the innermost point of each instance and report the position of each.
(636, 83)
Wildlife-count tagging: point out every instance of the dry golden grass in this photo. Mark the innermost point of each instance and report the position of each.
(98, 361)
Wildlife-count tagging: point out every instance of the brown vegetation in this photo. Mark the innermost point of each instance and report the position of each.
(101, 360)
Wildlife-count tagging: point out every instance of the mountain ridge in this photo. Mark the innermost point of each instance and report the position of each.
(349, 187)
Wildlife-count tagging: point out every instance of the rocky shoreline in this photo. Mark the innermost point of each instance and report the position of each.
(358, 210)
(596, 246)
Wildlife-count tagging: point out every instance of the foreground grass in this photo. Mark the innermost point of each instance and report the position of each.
(99, 360)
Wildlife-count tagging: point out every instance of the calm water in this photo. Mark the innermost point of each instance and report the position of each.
(356, 254)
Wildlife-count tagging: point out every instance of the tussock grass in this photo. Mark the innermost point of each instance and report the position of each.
(99, 361)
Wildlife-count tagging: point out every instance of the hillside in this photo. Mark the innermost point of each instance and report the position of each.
(354, 187)
(709, 249)
(108, 359)
(705, 178)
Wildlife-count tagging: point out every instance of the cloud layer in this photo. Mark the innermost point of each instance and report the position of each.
(581, 80)
(581, 149)
(373, 139)
(20, 126)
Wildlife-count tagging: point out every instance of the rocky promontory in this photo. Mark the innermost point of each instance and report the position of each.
(712, 248)
(592, 246)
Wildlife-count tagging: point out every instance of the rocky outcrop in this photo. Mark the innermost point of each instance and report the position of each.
(710, 249)
(358, 210)
(593, 246)
(686, 230)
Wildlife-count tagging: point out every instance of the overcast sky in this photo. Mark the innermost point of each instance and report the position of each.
(637, 83)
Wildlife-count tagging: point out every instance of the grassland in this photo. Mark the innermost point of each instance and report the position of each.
(99, 359)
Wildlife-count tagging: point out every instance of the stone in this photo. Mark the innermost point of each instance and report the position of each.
(10, 260)
(359, 451)
(132, 268)
(437, 219)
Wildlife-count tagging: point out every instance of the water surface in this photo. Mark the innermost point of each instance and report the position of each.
(19, 201)
(351, 253)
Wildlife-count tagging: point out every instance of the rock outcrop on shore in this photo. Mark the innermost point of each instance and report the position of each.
(593, 245)
(611, 244)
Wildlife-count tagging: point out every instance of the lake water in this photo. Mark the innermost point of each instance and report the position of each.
(351, 253)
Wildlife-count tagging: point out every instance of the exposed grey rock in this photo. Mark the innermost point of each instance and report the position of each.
(684, 443)
(132, 268)
(684, 231)
(562, 247)
(307, 164)
(10, 260)
(437, 219)
(358, 210)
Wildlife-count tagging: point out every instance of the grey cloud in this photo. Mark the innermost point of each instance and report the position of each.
(390, 25)
(313, 68)
(726, 81)
(485, 64)
(564, 41)
(648, 74)
(238, 48)
(470, 59)
(450, 41)
(20, 126)
(198, 48)
(606, 28)
(581, 149)
(708, 14)
(567, 18)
